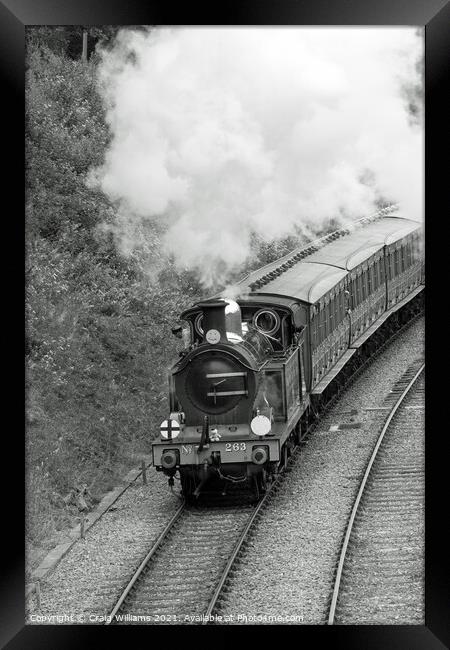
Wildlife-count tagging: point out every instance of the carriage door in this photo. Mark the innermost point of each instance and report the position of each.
(349, 304)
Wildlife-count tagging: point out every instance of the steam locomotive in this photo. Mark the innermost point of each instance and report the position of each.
(256, 369)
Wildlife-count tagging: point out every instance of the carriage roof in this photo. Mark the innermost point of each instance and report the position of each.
(308, 280)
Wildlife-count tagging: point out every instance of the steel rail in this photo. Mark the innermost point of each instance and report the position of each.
(145, 562)
(238, 546)
(348, 533)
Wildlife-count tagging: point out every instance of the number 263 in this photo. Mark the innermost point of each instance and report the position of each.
(235, 446)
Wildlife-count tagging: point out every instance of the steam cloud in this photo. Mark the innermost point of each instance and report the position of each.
(221, 132)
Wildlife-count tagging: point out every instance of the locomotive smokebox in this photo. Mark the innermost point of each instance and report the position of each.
(214, 320)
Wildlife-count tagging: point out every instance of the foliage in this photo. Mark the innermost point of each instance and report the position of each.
(65, 135)
(98, 343)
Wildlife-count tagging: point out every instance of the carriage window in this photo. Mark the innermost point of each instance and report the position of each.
(409, 253)
(396, 262)
(313, 326)
(415, 248)
(322, 323)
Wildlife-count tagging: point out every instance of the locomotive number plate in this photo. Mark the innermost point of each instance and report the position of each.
(235, 446)
(229, 446)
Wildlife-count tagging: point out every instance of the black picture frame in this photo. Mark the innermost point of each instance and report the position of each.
(15, 15)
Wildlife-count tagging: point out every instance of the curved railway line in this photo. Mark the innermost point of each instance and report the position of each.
(380, 566)
(187, 572)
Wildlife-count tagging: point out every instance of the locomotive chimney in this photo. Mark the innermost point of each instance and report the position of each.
(214, 320)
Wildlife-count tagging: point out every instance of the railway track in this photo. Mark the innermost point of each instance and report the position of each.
(177, 580)
(379, 578)
(186, 574)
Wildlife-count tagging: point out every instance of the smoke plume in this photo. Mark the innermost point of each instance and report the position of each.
(221, 132)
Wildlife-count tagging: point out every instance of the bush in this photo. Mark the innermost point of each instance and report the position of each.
(98, 345)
